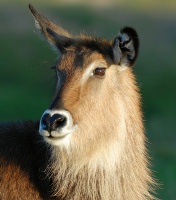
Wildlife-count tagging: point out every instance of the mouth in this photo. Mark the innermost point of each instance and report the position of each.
(59, 137)
(56, 138)
(58, 141)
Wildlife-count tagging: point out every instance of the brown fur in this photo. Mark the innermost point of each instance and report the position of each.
(14, 180)
(106, 158)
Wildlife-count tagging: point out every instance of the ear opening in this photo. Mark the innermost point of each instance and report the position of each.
(126, 47)
(53, 33)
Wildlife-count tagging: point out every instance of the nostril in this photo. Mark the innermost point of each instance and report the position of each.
(57, 121)
(45, 121)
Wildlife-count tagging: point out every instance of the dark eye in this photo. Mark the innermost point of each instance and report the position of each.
(99, 71)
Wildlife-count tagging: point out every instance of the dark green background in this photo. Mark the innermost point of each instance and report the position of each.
(27, 83)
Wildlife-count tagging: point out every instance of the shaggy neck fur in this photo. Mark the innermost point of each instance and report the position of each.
(115, 168)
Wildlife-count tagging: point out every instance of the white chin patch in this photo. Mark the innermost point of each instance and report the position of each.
(58, 138)
(58, 141)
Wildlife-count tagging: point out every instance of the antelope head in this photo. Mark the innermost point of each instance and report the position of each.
(91, 75)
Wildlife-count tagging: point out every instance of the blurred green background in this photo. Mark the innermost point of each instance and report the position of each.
(27, 83)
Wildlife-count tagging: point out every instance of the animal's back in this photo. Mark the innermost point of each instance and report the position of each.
(21, 157)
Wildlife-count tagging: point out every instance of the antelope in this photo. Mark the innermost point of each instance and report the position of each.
(89, 143)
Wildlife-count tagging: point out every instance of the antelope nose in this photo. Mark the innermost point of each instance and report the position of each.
(52, 123)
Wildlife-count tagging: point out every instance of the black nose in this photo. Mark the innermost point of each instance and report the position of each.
(52, 123)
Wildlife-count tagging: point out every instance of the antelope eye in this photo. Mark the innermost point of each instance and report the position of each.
(99, 71)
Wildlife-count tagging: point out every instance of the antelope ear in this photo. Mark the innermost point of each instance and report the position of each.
(125, 47)
(54, 34)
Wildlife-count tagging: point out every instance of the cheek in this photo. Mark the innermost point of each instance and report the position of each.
(85, 101)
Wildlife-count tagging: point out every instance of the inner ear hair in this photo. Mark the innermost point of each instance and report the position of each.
(125, 47)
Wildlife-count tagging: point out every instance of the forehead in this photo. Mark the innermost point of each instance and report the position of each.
(83, 51)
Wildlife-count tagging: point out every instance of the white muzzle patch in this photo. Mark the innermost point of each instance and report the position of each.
(60, 135)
